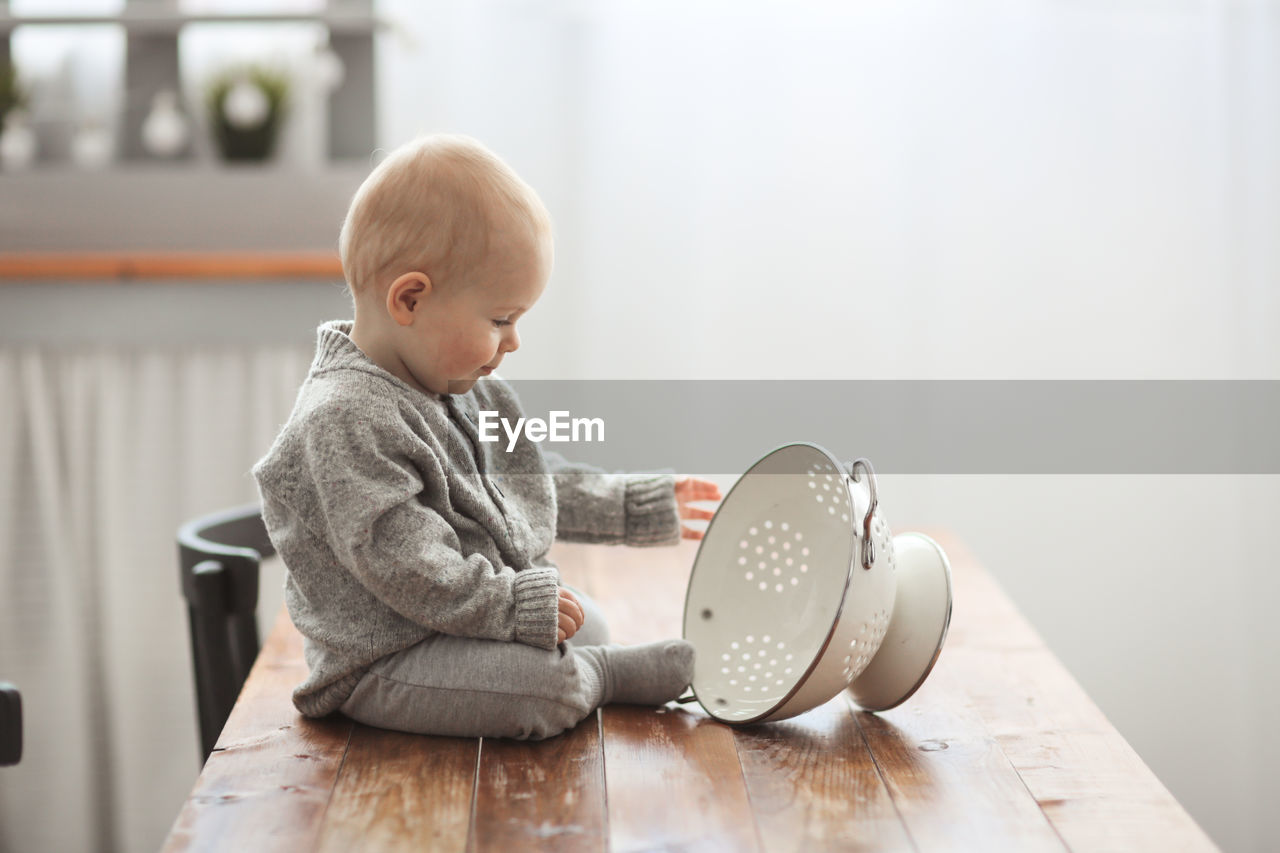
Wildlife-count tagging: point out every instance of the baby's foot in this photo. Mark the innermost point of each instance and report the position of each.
(647, 674)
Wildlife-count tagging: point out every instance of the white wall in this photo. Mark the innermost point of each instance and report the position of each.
(933, 190)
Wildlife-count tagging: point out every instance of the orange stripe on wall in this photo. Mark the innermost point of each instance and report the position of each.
(129, 265)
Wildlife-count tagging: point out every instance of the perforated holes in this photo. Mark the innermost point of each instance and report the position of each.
(773, 562)
(855, 661)
(864, 647)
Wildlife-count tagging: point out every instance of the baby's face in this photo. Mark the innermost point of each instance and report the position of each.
(468, 330)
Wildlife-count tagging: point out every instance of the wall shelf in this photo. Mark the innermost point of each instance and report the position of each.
(164, 19)
(194, 202)
(153, 30)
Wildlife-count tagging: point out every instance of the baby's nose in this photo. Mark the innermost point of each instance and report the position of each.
(512, 341)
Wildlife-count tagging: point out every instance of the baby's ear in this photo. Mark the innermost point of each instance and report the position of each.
(405, 296)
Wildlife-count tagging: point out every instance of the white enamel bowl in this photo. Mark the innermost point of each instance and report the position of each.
(800, 590)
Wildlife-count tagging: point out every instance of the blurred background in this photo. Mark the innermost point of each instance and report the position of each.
(1049, 189)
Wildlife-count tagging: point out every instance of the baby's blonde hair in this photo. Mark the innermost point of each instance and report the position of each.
(431, 206)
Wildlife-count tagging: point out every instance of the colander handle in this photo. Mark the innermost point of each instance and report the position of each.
(868, 545)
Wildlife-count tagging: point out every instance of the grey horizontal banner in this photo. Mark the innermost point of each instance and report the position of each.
(910, 426)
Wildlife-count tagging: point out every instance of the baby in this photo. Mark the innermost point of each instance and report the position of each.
(417, 555)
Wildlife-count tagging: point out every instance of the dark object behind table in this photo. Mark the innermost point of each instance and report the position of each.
(10, 724)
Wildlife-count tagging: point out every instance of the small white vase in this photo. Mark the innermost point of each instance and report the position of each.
(327, 68)
(17, 142)
(165, 131)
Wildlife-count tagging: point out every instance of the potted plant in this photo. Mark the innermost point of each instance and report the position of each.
(246, 106)
(11, 93)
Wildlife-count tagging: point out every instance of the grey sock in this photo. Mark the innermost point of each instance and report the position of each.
(647, 674)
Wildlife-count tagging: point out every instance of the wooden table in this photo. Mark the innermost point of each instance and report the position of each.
(999, 750)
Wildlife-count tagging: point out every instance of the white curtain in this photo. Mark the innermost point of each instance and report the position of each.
(103, 452)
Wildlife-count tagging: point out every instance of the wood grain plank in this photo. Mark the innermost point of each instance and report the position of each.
(641, 590)
(814, 785)
(268, 782)
(1000, 749)
(547, 795)
(400, 791)
(949, 779)
(674, 782)
(1094, 788)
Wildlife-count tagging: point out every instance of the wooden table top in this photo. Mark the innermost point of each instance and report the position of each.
(999, 750)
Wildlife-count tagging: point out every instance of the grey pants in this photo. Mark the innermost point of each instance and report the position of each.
(469, 687)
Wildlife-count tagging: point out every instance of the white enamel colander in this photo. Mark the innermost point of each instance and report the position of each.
(800, 590)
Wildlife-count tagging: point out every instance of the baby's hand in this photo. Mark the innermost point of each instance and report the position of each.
(688, 490)
(571, 616)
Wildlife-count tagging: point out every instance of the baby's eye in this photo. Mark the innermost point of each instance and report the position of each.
(501, 323)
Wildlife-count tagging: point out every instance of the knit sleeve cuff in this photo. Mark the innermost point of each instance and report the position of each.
(537, 607)
(653, 517)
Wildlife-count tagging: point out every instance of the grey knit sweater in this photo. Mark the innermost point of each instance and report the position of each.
(396, 523)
